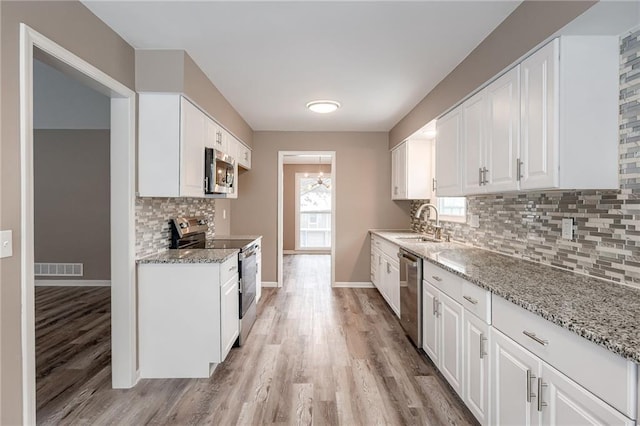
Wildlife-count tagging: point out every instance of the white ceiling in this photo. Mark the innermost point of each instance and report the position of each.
(379, 59)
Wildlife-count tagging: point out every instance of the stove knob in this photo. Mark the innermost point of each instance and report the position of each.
(183, 225)
(202, 222)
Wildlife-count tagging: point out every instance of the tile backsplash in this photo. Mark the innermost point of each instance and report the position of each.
(153, 233)
(606, 240)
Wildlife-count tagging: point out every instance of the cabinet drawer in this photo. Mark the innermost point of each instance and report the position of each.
(228, 269)
(476, 300)
(603, 373)
(390, 250)
(445, 281)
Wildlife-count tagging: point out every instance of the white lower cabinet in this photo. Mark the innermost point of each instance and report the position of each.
(527, 390)
(385, 271)
(442, 334)
(229, 315)
(476, 366)
(187, 317)
(514, 374)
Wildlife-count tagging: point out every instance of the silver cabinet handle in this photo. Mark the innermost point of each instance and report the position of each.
(395, 190)
(541, 384)
(484, 175)
(388, 268)
(246, 156)
(530, 378)
(433, 184)
(519, 169)
(471, 300)
(533, 336)
(233, 268)
(435, 307)
(437, 278)
(480, 176)
(482, 340)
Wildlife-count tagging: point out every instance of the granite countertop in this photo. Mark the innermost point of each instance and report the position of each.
(236, 237)
(190, 256)
(603, 312)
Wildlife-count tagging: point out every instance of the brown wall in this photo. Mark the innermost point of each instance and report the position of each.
(289, 198)
(363, 201)
(222, 224)
(175, 71)
(73, 26)
(71, 169)
(527, 26)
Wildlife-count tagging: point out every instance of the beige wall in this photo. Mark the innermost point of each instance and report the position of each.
(363, 200)
(175, 71)
(529, 25)
(289, 198)
(71, 25)
(71, 169)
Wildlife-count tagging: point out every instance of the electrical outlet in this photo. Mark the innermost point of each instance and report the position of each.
(567, 228)
(6, 245)
(474, 221)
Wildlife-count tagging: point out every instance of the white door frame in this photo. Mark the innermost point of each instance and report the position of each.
(281, 155)
(122, 157)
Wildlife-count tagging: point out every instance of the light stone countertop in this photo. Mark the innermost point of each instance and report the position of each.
(603, 312)
(190, 256)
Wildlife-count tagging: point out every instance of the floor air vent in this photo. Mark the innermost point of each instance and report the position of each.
(58, 269)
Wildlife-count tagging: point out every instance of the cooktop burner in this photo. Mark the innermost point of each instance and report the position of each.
(227, 244)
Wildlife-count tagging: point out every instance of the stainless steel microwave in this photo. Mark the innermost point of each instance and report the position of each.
(219, 172)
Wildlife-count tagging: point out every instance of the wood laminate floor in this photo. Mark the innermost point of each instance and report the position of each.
(315, 355)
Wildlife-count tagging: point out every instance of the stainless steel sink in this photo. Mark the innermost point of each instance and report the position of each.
(420, 239)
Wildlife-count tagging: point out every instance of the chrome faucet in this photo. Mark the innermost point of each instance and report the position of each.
(437, 229)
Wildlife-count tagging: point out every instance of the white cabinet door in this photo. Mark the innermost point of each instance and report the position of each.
(450, 314)
(430, 322)
(192, 150)
(503, 132)
(514, 374)
(259, 272)
(211, 133)
(243, 155)
(229, 315)
(539, 108)
(474, 144)
(564, 402)
(476, 367)
(399, 172)
(448, 170)
(393, 287)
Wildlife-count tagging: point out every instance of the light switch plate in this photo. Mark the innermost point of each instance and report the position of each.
(474, 221)
(567, 228)
(6, 244)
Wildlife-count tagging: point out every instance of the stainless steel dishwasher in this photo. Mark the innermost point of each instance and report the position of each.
(411, 296)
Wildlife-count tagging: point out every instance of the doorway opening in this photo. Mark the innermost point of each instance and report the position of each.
(121, 197)
(306, 218)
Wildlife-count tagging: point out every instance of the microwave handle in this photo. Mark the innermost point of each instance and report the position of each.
(206, 183)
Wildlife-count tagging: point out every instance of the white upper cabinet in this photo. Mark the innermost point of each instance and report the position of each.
(473, 112)
(550, 122)
(412, 170)
(242, 155)
(569, 111)
(490, 136)
(448, 172)
(171, 142)
(193, 133)
(503, 133)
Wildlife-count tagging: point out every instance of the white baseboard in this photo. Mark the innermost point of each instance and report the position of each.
(353, 284)
(269, 284)
(306, 251)
(72, 283)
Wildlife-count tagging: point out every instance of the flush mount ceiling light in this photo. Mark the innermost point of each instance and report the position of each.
(323, 106)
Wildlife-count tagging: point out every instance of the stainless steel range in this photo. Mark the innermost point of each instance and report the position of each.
(190, 233)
